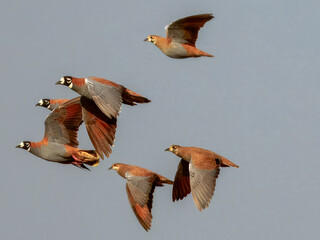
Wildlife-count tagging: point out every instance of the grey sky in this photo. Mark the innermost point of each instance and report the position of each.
(256, 103)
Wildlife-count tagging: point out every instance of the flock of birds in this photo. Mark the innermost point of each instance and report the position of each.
(98, 107)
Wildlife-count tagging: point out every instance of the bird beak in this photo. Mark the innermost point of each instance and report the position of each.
(18, 146)
(110, 168)
(168, 149)
(145, 40)
(38, 104)
(58, 83)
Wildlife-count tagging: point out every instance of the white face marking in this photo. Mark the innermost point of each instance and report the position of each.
(22, 145)
(48, 106)
(62, 80)
(41, 102)
(152, 39)
(71, 85)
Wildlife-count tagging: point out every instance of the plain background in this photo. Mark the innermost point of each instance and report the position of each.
(256, 103)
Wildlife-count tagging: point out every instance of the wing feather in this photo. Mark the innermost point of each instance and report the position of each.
(202, 182)
(140, 187)
(101, 129)
(62, 124)
(143, 213)
(181, 184)
(107, 97)
(185, 30)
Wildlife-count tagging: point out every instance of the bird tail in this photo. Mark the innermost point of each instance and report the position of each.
(227, 163)
(131, 98)
(81, 165)
(205, 54)
(88, 157)
(164, 180)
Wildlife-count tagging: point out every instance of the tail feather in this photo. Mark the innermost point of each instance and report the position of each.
(81, 166)
(131, 98)
(164, 180)
(205, 54)
(227, 163)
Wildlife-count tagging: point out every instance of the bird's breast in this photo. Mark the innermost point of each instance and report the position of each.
(53, 152)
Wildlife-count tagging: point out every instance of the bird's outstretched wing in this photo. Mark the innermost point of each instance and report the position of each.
(107, 97)
(101, 129)
(140, 195)
(181, 184)
(202, 180)
(62, 124)
(185, 30)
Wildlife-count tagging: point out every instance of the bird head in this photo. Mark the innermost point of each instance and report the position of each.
(151, 38)
(114, 167)
(44, 103)
(26, 145)
(174, 149)
(66, 80)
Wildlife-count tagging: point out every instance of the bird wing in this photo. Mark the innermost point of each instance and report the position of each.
(107, 97)
(140, 187)
(143, 213)
(185, 30)
(101, 129)
(181, 184)
(202, 182)
(62, 124)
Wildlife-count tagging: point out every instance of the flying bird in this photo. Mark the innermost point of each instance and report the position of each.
(60, 143)
(140, 186)
(197, 173)
(107, 95)
(101, 129)
(181, 38)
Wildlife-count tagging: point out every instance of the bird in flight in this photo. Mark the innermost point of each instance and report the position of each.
(181, 38)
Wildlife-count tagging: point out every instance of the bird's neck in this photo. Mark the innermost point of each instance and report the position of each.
(162, 43)
(123, 169)
(80, 87)
(184, 154)
(35, 147)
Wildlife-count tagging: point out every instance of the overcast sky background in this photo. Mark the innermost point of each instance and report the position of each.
(256, 103)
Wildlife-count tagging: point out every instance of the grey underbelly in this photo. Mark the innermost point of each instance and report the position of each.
(176, 51)
(52, 153)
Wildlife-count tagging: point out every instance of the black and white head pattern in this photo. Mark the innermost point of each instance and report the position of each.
(44, 103)
(24, 145)
(66, 80)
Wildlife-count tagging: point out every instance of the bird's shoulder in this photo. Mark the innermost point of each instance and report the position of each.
(103, 81)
